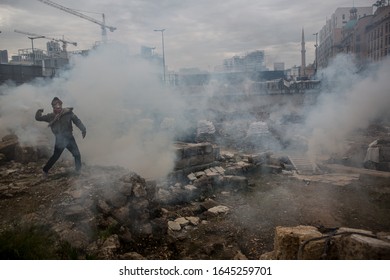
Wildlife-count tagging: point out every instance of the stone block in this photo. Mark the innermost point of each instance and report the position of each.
(175, 226)
(361, 247)
(219, 169)
(191, 177)
(259, 158)
(207, 204)
(288, 240)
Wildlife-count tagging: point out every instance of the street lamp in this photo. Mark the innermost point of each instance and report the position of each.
(162, 40)
(32, 45)
(316, 55)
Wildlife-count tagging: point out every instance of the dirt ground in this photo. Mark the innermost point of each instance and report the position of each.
(279, 200)
(247, 230)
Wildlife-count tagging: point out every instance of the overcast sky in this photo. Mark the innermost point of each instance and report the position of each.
(198, 33)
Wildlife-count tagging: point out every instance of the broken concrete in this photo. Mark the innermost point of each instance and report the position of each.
(378, 155)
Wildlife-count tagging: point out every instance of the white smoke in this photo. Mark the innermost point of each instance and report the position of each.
(352, 101)
(120, 100)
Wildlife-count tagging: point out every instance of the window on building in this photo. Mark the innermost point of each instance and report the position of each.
(343, 16)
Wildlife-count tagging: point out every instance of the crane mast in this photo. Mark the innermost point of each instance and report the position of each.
(76, 13)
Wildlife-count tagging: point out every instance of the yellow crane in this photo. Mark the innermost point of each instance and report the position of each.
(76, 13)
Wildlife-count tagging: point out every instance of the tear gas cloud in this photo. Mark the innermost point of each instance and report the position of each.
(132, 119)
(352, 101)
(118, 97)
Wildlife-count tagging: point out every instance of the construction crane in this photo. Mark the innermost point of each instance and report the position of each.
(76, 13)
(37, 36)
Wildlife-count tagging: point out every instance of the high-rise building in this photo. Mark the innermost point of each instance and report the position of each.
(252, 61)
(3, 56)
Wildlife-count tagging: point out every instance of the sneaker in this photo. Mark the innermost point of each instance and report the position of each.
(45, 174)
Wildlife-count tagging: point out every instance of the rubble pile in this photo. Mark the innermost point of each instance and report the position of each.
(124, 205)
(113, 213)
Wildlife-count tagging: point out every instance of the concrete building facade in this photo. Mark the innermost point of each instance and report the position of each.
(252, 61)
(378, 35)
(331, 34)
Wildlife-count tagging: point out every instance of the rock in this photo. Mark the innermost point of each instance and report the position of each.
(240, 256)
(288, 240)
(164, 196)
(362, 246)
(173, 225)
(259, 158)
(207, 204)
(76, 238)
(182, 221)
(103, 207)
(220, 169)
(193, 220)
(220, 209)
(122, 215)
(109, 248)
(190, 176)
(139, 190)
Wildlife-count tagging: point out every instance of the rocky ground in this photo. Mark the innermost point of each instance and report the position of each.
(112, 213)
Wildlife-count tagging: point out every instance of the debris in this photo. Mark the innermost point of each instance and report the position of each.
(220, 209)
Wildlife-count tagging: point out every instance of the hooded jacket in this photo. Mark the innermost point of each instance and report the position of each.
(61, 124)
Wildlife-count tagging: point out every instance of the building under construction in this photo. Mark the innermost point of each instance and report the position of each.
(32, 63)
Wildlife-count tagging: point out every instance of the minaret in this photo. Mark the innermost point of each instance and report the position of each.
(303, 55)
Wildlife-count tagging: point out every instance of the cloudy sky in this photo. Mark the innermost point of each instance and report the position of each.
(198, 33)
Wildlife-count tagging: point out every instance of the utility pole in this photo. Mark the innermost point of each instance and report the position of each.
(162, 40)
(316, 54)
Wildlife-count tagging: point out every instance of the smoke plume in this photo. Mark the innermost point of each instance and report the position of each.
(350, 100)
(119, 98)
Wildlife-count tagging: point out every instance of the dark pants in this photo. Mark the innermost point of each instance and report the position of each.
(63, 142)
